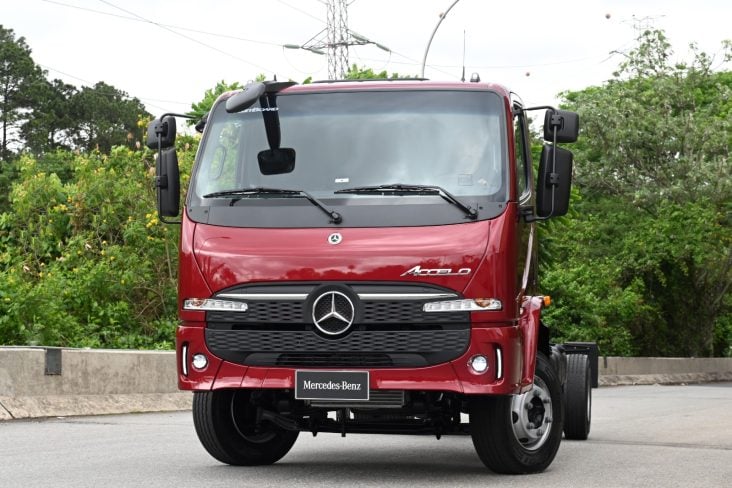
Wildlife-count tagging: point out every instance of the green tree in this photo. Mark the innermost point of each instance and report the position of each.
(652, 232)
(18, 75)
(52, 124)
(364, 73)
(198, 110)
(104, 117)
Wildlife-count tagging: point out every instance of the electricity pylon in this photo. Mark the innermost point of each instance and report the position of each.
(335, 39)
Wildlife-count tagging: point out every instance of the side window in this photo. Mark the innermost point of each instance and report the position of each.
(523, 163)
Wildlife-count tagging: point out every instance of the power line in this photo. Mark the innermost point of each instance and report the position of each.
(189, 29)
(193, 39)
(301, 11)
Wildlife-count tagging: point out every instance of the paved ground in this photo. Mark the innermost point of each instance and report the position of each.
(662, 436)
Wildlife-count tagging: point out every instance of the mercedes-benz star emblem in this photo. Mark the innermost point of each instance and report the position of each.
(333, 313)
(335, 238)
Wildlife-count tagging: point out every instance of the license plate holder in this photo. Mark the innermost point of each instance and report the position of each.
(332, 385)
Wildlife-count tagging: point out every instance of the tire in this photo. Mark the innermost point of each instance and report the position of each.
(578, 410)
(503, 436)
(225, 424)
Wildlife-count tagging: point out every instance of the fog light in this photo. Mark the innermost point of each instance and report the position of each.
(199, 361)
(479, 363)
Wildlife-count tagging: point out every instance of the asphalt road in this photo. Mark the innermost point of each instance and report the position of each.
(663, 436)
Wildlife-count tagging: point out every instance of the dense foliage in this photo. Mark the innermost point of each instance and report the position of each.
(645, 263)
(84, 261)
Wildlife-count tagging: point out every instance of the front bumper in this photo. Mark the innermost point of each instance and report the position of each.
(502, 345)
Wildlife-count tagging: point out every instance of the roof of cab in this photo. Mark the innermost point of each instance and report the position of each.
(398, 84)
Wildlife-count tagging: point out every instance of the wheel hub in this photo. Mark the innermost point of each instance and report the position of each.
(531, 416)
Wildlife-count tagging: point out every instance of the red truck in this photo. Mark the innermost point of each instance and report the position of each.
(361, 257)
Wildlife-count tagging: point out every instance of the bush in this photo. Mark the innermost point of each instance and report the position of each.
(84, 260)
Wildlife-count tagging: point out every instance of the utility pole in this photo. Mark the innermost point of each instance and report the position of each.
(335, 39)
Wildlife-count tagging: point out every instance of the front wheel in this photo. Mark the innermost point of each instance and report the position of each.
(225, 421)
(520, 434)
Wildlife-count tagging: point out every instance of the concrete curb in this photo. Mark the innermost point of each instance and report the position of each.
(4, 412)
(71, 405)
(50, 382)
(664, 379)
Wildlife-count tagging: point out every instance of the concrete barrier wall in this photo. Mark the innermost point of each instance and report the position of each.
(648, 371)
(41, 382)
(36, 382)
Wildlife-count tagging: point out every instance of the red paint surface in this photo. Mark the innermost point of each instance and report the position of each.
(213, 258)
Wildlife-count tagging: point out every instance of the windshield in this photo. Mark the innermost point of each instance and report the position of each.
(343, 140)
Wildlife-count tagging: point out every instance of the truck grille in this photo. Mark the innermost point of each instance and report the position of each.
(391, 329)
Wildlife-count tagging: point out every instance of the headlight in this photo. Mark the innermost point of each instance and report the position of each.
(467, 305)
(214, 305)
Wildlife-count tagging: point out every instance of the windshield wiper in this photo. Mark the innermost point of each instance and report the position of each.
(237, 195)
(402, 189)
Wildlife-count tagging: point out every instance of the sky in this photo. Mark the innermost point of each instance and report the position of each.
(169, 52)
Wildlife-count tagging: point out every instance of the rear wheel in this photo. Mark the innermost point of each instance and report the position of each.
(578, 411)
(520, 434)
(225, 421)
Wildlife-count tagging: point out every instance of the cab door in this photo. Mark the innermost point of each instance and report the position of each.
(526, 264)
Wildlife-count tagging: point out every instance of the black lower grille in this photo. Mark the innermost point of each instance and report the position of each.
(375, 349)
(334, 360)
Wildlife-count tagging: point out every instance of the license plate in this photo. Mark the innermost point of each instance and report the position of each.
(332, 385)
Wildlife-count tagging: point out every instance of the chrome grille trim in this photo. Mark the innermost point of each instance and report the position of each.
(263, 296)
(362, 296)
(405, 296)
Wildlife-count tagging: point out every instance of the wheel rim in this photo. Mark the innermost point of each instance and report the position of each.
(531, 416)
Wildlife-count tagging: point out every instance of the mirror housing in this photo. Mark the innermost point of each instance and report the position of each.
(276, 161)
(201, 124)
(566, 123)
(554, 182)
(167, 183)
(245, 98)
(164, 129)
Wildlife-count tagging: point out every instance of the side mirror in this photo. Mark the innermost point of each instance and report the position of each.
(566, 123)
(201, 124)
(245, 98)
(554, 182)
(276, 161)
(167, 181)
(165, 129)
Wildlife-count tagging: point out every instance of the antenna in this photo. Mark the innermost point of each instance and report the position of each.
(462, 78)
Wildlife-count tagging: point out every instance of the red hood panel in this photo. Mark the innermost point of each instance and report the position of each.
(230, 256)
